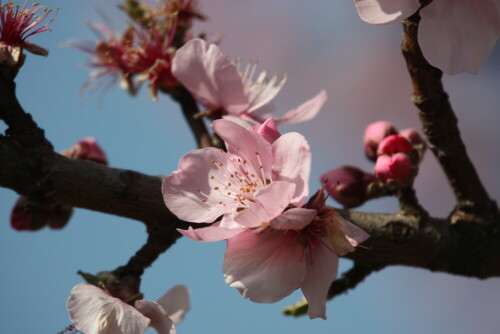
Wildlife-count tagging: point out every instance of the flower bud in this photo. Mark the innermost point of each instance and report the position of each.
(29, 216)
(268, 130)
(418, 142)
(87, 149)
(397, 168)
(347, 185)
(394, 144)
(374, 134)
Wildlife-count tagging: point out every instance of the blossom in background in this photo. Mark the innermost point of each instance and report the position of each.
(454, 36)
(16, 25)
(222, 86)
(30, 215)
(95, 311)
(275, 242)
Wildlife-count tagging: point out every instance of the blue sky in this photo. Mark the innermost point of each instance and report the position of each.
(321, 45)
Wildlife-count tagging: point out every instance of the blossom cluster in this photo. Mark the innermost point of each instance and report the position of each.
(396, 156)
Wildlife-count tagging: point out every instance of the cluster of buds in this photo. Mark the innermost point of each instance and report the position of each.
(396, 156)
(17, 23)
(145, 50)
(32, 214)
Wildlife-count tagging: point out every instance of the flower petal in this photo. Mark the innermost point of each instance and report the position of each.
(270, 202)
(210, 233)
(292, 163)
(306, 111)
(354, 234)
(210, 75)
(246, 144)
(457, 36)
(189, 192)
(94, 311)
(266, 266)
(159, 317)
(293, 219)
(385, 11)
(176, 302)
(322, 269)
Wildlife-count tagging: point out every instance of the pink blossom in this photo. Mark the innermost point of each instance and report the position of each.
(19, 23)
(220, 85)
(268, 130)
(275, 243)
(348, 185)
(95, 311)
(454, 36)
(395, 144)
(87, 149)
(397, 167)
(374, 134)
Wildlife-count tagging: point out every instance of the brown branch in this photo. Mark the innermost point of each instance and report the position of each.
(440, 126)
(190, 108)
(348, 281)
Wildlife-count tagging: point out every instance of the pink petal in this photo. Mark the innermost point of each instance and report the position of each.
(457, 36)
(270, 202)
(210, 75)
(266, 266)
(263, 113)
(354, 234)
(247, 144)
(159, 317)
(210, 233)
(322, 269)
(292, 163)
(176, 303)
(385, 11)
(306, 111)
(94, 311)
(268, 130)
(183, 190)
(294, 219)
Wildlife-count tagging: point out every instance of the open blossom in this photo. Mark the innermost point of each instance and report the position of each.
(221, 86)
(275, 242)
(454, 36)
(95, 311)
(16, 25)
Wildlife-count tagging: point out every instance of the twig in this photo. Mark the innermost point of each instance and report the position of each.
(190, 108)
(440, 126)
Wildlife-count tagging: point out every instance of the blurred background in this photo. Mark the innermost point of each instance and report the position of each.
(320, 44)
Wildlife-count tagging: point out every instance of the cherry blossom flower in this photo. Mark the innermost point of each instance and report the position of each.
(223, 87)
(275, 242)
(95, 311)
(16, 25)
(374, 134)
(454, 36)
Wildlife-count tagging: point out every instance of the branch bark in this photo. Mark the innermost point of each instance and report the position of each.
(440, 126)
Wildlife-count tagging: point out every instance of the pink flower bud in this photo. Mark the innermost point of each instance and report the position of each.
(395, 144)
(268, 130)
(374, 134)
(418, 142)
(87, 149)
(347, 185)
(54, 215)
(396, 168)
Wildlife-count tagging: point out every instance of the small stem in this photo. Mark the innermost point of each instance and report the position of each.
(190, 109)
(409, 205)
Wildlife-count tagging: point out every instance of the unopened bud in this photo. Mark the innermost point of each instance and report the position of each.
(347, 185)
(268, 130)
(418, 142)
(87, 149)
(374, 134)
(395, 144)
(397, 169)
(26, 216)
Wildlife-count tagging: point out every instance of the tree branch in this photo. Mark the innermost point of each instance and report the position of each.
(440, 126)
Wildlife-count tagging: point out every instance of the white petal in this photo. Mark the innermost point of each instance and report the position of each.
(386, 11)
